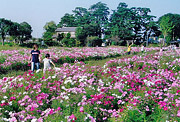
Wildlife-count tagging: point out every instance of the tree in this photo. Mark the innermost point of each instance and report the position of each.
(68, 20)
(81, 35)
(4, 28)
(120, 22)
(60, 36)
(99, 15)
(174, 25)
(25, 31)
(49, 28)
(15, 31)
(166, 26)
(82, 16)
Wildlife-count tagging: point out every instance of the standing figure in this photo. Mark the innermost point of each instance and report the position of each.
(142, 48)
(35, 58)
(129, 49)
(47, 62)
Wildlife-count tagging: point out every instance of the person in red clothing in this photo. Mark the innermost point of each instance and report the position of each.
(35, 58)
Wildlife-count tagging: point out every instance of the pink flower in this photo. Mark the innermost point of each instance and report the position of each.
(104, 118)
(13, 119)
(165, 108)
(81, 109)
(72, 117)
(58, 108)
(178, 114)
(121, 110)
(119, 101)
(32, 108)
(51, 111)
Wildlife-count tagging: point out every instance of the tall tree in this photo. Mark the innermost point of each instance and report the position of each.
(68, 20)
(147, 22)
(120, 22)
(4, 28)
(25, 31)
(174, 20)
(49, 28)
(82, 16)
(99, 12)
(99, 15)
(166, 26)
(15, 31)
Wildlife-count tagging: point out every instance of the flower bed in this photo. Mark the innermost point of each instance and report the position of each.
(141, 88)
(18, 59)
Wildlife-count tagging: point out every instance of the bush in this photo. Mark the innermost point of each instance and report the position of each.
(68, 42)
(52, 43)
(94, 41)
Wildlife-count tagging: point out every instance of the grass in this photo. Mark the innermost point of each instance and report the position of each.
(102, 62)
(12, 73)
(7, 47)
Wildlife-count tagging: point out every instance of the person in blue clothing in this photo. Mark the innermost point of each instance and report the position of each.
(35, 57)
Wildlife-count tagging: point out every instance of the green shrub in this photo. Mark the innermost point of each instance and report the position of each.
(94, 41)
(52, 43)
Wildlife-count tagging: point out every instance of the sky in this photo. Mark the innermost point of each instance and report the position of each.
(38, 12)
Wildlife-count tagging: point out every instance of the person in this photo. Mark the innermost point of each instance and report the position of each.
(35, 58)
(129, 49)
(47, 62)
(142, 48)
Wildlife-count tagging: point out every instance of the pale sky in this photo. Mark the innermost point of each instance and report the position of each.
(38, 12)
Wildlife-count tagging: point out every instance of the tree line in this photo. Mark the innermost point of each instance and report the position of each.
(19, 32)
(122, 24)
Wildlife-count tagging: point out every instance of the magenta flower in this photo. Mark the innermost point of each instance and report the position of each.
(81, 109)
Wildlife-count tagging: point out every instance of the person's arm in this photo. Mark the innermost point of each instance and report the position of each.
(40, 59)
(52, 63)
(30, 58)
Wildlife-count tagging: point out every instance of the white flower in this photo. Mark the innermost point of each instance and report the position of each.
(10, 103)
(54, 76)
(63, 87)
(5, 97)
(33, 120)
(25, 93)
(3, 101)
(21, 79)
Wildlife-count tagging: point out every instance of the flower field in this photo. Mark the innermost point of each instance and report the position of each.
(144, 87)
(18, 59)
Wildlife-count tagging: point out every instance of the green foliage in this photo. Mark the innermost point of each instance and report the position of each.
(81, 36)
(52, 43)
(68, 42)
(5, 26)
(60, 36)
(131, 23)
(170, 25)
(47, 36)
(94, 41)
(68, 20)
(50, 28)
(25, 31)
(166, 26)
(99, 13)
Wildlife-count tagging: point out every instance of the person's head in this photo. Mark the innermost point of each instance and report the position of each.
(47, 55)
(35, 46)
